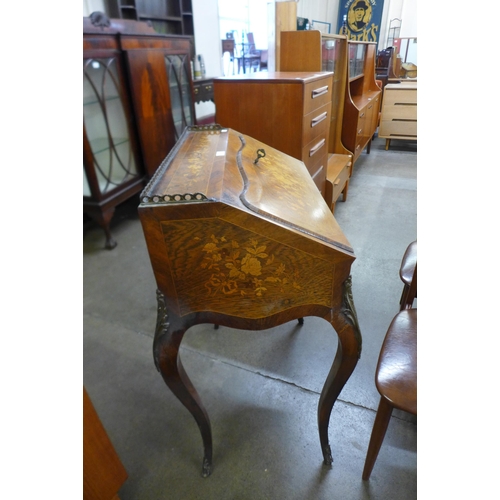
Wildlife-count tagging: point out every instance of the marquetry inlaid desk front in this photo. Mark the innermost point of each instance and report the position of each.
(239, 235)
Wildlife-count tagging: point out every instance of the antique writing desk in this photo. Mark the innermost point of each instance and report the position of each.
(239, 235)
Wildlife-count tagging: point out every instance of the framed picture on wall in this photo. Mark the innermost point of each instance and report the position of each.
(321, 26)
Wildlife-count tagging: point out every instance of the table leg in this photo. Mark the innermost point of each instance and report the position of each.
(166, 355)
(346, 325)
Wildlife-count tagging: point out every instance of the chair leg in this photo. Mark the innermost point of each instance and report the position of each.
(380, 425)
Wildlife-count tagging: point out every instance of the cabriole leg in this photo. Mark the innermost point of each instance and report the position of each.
(167, 361)
(345, 323)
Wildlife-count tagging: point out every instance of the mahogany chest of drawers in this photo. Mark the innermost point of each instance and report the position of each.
(289, 111)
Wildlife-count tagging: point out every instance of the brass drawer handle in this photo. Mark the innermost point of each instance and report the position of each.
(318, 119)
(208, 87)
(317, 147)
(320, 91)
(362, 114)
(196, 90)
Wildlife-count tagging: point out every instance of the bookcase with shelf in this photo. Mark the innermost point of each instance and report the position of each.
(173, 17)
(362, 98)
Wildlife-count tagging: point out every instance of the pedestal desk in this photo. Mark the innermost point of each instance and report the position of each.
(239, 235)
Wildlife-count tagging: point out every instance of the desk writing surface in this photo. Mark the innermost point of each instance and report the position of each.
(277, 186)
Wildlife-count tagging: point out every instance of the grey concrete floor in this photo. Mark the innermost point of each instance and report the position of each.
(260, 389)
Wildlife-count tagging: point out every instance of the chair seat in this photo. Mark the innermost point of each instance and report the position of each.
(408, 263)
(396, 378)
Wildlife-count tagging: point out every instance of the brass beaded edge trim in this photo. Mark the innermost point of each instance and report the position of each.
(149, 197)
(175, 198)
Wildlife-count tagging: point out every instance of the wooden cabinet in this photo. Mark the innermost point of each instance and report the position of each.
(112, 163)
(337, 179)
(362, 98)
(398, 119)
(173, 17)
(162, 91)
(203, 90)
(137, 100)
(314, 51)
(287, 111)
(103, 471)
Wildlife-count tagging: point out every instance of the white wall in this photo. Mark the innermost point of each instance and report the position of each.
(90, 6)
(409, 16)
(208, 43)
(327, 11)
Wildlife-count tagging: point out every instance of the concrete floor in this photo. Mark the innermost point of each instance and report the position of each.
(260, 389)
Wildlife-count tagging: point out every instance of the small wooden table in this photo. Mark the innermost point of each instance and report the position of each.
(203, 90)
(239, 235)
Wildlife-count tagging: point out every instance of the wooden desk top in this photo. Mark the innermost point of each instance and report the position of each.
(277, 187)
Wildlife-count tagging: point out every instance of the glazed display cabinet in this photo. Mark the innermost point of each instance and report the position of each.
(112, 171)
(137, 101)
(362, 98)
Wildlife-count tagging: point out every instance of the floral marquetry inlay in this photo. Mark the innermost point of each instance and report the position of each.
(221, 267)
(245, 269)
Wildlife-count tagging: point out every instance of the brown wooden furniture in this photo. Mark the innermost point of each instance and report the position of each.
(239, 236)
(137, 100)
(313, 51)
(249, 56)
(203, 90)
(162, 91)
(288, 111)
(173, 17)
(228, 46)
(103, 471)
(396, 374)
(337, 179)
(383, 66)
(113, 169)
(362, 98)
(398, 119)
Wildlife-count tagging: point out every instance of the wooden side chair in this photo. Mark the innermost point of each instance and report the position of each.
(396, 374)
(406, 271)
(383, 64)
(252, 56)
